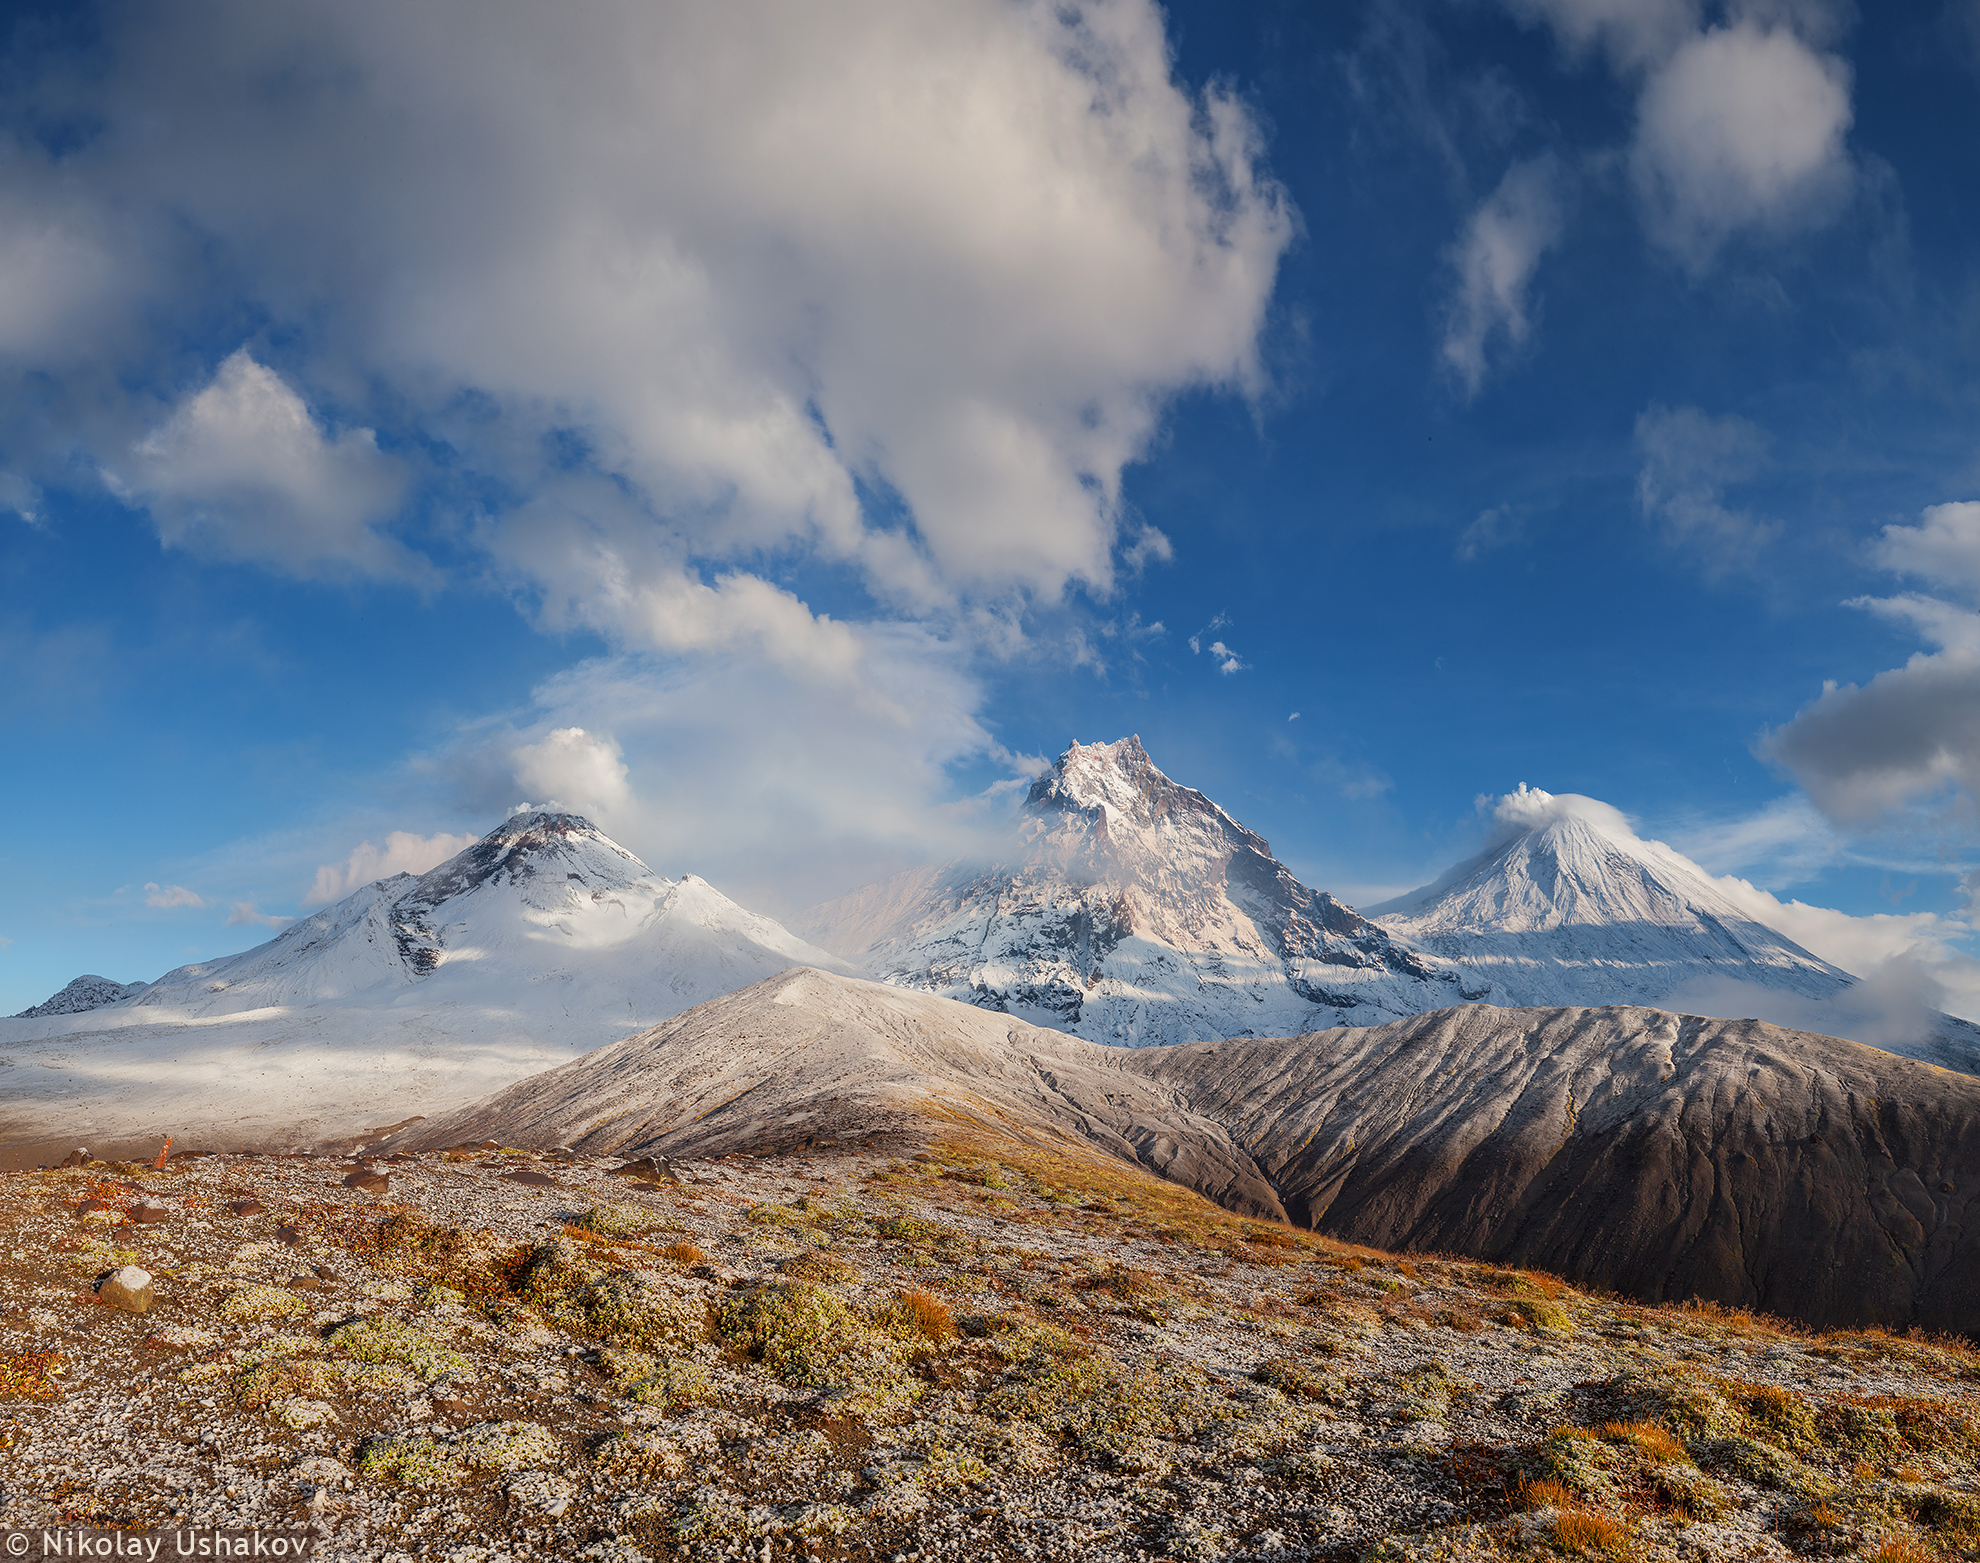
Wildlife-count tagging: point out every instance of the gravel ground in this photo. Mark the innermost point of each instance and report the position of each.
(980, 1351)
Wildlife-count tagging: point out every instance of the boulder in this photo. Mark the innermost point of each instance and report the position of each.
(128, 1289)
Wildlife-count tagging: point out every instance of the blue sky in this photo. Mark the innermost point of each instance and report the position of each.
(776, 432)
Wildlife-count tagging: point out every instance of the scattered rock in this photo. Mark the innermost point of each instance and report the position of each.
(246, 1207)
(651, 1169)
(150, 1213)
(368, 1182)
(128, 1289)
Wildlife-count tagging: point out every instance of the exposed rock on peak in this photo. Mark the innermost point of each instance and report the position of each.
(84, 993)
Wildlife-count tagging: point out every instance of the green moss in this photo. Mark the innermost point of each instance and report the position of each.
(1762, 1464)
(282, 1380)
(254, 1303)
(1691, 1493)
(619, 1220)
(509, 1446)
(1776, 1416)
(411, 1459)
(639, 1311)
(798, 1331)
(398, 1343)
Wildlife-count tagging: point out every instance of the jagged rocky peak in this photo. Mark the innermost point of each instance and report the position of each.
(85, 993)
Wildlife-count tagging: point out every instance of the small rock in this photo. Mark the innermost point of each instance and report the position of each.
(75, 1158)
(147, 1212)
(307, 1283)
(651, 1169)
(128, 1289)
(368, 1182)
(529, 1175)
(94, 1207)
(324, 1273)
(246, 1207)
(288, 1235)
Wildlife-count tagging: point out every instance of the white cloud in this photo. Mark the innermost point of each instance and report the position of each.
(782, 790)
(1742, 127)
(1909, 963)
(241, 470)
(1945, 549)
(1228, 661)
(1912, 734)
(1689, 460)
(1529, 808)
(1499, 527)
(570, 768)
(1632, 33)
(643, 300)
(1495, 259)
(751, 254)
(165, 896)
(403, 853)
(247, 915)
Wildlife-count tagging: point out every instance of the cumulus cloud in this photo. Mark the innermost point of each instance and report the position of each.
(247, 915)
(165, 896)
(1689, 460)
(1912, 734)
(1743, 127)
(753, 255)
(1495, 259)
(1944, 549)
(782, 790)
(241, 470)
(570, 768)
(403, 853)
(1529, 808)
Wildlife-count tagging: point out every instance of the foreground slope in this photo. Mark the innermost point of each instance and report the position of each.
(1668, 1156)
(1131, 910)
(542, 940)
(987, 1352)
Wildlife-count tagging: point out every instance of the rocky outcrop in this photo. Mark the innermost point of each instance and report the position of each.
(82, 995)
(1664, 1156)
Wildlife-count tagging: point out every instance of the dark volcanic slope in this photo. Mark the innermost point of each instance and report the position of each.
(1665, 1156)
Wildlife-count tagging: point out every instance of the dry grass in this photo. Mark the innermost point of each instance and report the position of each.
(1648, 1439)
(1546, 1494)
(1580, 1532)
(921, 1314)
(1900, 1549)
(684, 1254)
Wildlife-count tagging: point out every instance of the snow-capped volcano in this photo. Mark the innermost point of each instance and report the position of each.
(1569, 906)
(544, 939)
(1571, 902)
(1132, 910)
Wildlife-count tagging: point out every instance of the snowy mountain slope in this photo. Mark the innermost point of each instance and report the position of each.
(1569, 906)
(543, 940)
(1132, 910)
(84, 993)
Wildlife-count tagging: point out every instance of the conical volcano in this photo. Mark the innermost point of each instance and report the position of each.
(1570, 903)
